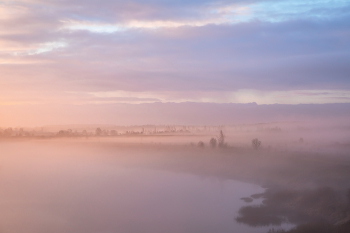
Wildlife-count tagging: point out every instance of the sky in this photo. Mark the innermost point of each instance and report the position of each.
(75, 52)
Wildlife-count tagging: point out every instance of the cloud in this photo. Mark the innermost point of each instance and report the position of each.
(174, 50)
(113, 97)
(171, 113)
(202, 14)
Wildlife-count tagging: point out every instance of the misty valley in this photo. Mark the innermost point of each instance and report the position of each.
(174, 116)
(250, 178)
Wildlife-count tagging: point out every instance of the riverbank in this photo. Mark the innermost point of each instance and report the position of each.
(301, 187)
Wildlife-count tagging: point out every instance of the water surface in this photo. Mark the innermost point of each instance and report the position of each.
(43, 191)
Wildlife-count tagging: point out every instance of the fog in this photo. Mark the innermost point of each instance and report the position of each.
(168, 116)
(159, 178)
(60, 187)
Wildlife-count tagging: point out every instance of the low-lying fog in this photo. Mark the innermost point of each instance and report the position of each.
(74, 190)
(296, 181)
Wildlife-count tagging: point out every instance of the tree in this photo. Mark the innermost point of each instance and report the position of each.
(114, 132)
(256, 143)
(98, 131)
(213, 142)
(61, 133)
(8, 132)
(200, 144)
(221, 139)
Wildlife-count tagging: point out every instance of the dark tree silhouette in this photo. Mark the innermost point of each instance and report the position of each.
(221, 139)
(213, 142)
(200, 144)
(98, 132)
(256, 143)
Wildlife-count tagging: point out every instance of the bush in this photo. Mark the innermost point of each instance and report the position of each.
(200, 144)
(213, 142)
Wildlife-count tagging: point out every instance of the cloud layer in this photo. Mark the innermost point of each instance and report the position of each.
(204, 51)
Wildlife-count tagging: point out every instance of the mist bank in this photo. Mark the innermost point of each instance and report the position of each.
(321, 137)
(285, 169)
(170, 113)
(302, 186)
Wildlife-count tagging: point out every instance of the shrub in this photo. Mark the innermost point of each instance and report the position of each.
(213, 142)
(200, 144)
